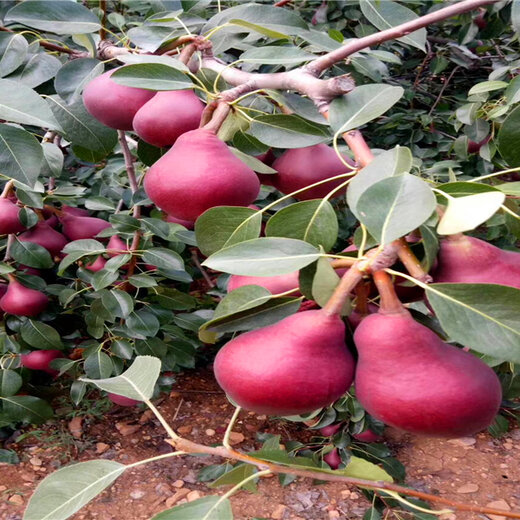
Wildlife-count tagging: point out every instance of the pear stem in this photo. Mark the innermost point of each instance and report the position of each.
(10, 240)
(389, 303)
(7, 189)
(346, 285)
(218, 116)
(187, 53)
(362, 292)
(410, 261)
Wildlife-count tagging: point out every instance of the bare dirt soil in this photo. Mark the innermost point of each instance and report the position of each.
(478, 470)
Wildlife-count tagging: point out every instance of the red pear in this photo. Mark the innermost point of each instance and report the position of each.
(198, 173)
(77, 228)
(464, 259)
(79, 212)
(188, 224)
(333, 459)
(9, 221)
(409, 378)
(40, 360)
(274, 284)
(332, 429)
(29, 270)
(368, 436)
(300, 167)
(121, 400)
(112, 104)
(168, 115)
(292, 367)
(356, 316)
(116, 246)
(43, 235)
(22, 301)
(96, 265)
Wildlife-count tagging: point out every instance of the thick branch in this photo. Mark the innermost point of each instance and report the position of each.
(323, 63)
(220, 451)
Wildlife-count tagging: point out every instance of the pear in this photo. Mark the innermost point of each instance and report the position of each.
(77, 228)
(367, 436)
(112, 104)
(22, 301)
(43, 235)
(333, 459)
(464, 259)
(300, 167)
(197, 173)
(330, 430)
(274, 284)
(71, 210)
(40, 360)
(168, 115)
(116, 246)
(9, 221)
(96, 265)
(121, 400)
(291, 367)
(409, 378)
(188, 224)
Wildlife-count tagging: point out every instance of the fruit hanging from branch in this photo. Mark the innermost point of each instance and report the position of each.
(40, 360)
(77, 228)
(9, 217)
(43, 235)
(274, 284)
(21, 300)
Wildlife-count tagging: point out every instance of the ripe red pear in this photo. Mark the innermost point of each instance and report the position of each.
(197, 173)
(464, 259)
(332, 429)
(40, 360)
(188, 224)
(300, 167)
(367, 436)
(274, 284)
(474, 147)
(71, 210)
(77, 228)
(116, 246)
(43, 235)
(291, 367)
(409, 378)
(121, 400)
(168, 115)
(22, 301)
(112, 104)
(96, 265)
(357, 316)
(333, 459)
(9, 221)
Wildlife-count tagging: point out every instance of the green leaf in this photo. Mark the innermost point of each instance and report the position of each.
(40, 335)
(10, 382)
(393, 207)
(466, 213)
(224, 226)
(133, 59)
(21, 155)
(74, 75)
(264, 257)
(387, 14)
(276, 55)
(8, 457)
(119, 303)
(81, 128)
(152, 76)
(151, 347)
(313, 221)
(66, 491)
(103, 279)
(87, 246)
(21, 104)
(483, 317)
(508, 138)
(515, 16)
(37, 69)
(235, 476)
(157, 227)
(173, 299)
(254, 163)
(143, 324)
(362, 105)
(324, 283)
(387, 164)
(122, 349)
(462, 189)
(259, 29)
(487, 86)
(137, 382)
(27, 409)
(289, 131)
(98, 365)
(31, 254)
(13, 50)
(54, 16)
(52, 160)
(206, 508)
(163, 258)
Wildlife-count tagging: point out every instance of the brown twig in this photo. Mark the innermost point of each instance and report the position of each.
(52, 46)
(356, 142)
(103, 7)
(205, 275)
(9, 185)
(220, 451)
(443, 88)
(389, 302)
(410, 261)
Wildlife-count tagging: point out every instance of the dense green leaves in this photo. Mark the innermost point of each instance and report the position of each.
(31, 254)
(153, 76)
(40, 335)
(26, 409)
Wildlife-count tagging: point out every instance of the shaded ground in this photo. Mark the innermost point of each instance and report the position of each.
(478, 470)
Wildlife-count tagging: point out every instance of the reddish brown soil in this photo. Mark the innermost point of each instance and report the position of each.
(476, 470)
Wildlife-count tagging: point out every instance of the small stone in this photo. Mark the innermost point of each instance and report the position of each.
(468, 488)
(35, 461)
(146, 417)
(75, 427)
(178, 484)
(3, 488)
(279, 512)
(137, 494)
(236, 438)
(447, 516)
(174, 499)
(184, 430)
(163, 489)
(209, 432)
(101, 447)
(498, 504)
(345, 494)
(354, 495)
(175, 394)
(463, 441)
(334, 514)
(508, 446)
(193, 495)
(16, 499)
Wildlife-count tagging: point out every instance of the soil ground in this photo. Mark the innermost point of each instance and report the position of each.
(478, 470)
